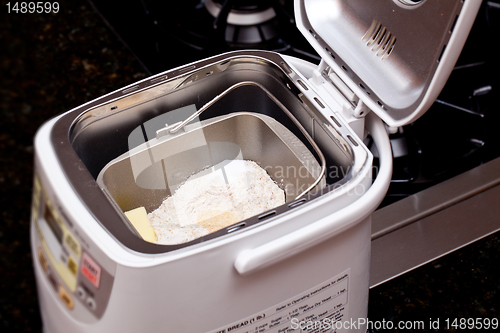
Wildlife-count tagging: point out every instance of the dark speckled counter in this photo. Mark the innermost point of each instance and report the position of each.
(463, 284)
(50, 63)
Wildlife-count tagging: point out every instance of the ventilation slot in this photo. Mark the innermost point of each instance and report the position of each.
(352, 140)
(287, 69)
(319, 103)
(336, 121)
(126, 91)
(330, 52)
(236, 227)
(380, 39)
(442, 52)
(302, 84)
(364, 88)
(263, 216)
(453, 25)
(182, 70)
(297, 203)
(158, 79)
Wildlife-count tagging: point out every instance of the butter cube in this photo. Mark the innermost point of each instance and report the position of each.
(139, 219)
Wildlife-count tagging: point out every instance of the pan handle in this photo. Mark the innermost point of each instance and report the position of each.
(281, 106)
(252, 260)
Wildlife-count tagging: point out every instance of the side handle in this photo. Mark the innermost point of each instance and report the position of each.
(252, 260)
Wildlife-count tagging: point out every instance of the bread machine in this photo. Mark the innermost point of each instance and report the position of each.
(304, 261)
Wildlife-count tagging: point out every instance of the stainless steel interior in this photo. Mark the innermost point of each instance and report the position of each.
(129, 119)
(153, 171)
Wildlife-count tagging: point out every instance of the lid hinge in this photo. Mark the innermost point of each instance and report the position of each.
(353, 110)
(360, 110)
(357, 108)
(316, 78)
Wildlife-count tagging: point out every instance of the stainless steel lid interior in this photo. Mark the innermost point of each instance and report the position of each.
(396, 55)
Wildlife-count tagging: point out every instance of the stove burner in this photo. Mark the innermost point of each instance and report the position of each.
(167, 34)
(244, 22)
(210, 27)
(229, 25)
(241, 14)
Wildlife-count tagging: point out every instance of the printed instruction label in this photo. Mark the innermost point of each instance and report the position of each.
(326, 301)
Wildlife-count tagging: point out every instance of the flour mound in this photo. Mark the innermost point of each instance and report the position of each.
(215, 198)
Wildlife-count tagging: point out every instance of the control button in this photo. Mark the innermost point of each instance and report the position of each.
(72, 266)
(66, 297)
(91, 270)
(52, 280)
(73, 244)
(80, 292)
(42, 259)
(91, 303)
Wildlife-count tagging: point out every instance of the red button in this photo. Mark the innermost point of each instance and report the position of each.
(91, 270)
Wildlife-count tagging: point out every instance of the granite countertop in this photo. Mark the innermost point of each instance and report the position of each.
(50, 63)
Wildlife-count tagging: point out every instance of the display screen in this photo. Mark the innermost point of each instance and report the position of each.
(58, 242)
(52, 232)
(57, 231)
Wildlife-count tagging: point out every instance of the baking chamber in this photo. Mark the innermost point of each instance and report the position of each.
(138, 151)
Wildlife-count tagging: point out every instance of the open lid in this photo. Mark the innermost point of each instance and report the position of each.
(396, 55)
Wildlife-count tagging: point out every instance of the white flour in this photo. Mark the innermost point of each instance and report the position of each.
(215, 198)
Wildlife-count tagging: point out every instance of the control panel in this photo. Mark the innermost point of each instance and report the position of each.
(74, 274)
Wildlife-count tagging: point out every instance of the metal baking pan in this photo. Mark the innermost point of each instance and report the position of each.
(149, 173)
